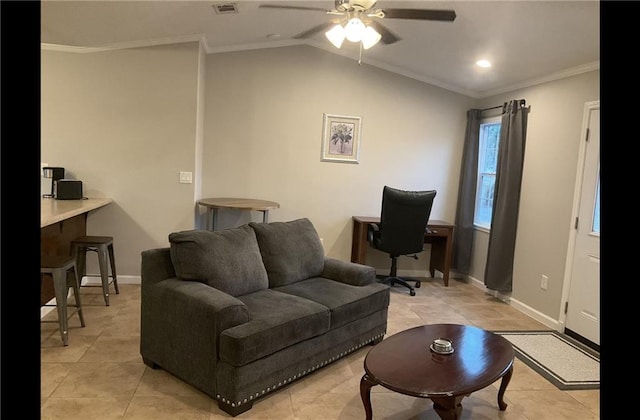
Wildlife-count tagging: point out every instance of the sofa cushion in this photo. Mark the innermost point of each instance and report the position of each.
(278, 320)
(228, 260)
(291, 251)
(346, 302)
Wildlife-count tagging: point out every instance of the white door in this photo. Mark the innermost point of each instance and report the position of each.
(583, 305)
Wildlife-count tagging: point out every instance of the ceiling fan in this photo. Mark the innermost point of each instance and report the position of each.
(358, 20)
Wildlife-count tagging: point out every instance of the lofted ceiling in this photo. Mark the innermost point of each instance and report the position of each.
(527, 41)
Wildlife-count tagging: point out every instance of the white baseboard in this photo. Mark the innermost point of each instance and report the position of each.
(525, 309)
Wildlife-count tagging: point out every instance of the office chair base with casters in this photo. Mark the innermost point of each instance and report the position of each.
(393, 278)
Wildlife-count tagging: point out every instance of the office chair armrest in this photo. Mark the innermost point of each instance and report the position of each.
(348, 272)
(372, 230)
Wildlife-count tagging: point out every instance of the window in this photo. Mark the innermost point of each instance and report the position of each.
(487, 164)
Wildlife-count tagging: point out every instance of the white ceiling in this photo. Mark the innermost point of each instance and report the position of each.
(527, 41)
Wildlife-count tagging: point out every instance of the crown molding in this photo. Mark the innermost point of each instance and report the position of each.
(201, 38)
(124, 45)
(573, 71)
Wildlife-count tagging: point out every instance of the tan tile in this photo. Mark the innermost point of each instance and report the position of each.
(396, 325)
(52, 350)
(550, 404)
(589, 398)
(127, 322)
(51, 375)
(483, 404)
(392, 405)
(47, 329)
(327, 406)
(158, 383)
(82, 380)
(169, 407)
(274, 406)
(100, 380)
(124, 349)
(107, 408)
(525, 378)
(92, 296)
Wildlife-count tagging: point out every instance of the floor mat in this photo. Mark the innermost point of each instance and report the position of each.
(563, 361)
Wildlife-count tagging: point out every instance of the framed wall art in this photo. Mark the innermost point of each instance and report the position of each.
(340, 138)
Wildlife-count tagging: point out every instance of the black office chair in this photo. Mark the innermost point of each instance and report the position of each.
(402, 227)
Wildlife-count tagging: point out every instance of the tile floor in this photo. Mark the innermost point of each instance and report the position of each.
(100, 375)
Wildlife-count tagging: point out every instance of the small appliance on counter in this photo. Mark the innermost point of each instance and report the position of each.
(56, 173)
(68, 189)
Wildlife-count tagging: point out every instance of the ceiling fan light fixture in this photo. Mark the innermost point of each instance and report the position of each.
(370, 38)
(354, 30)
(336, 35)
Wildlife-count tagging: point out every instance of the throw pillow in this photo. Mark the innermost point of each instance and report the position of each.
(291, 251)
(228, 260)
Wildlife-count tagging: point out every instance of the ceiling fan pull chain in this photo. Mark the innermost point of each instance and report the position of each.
(360, 58)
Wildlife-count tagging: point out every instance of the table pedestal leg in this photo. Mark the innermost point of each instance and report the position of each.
(365, 393)
(448, 408)
(214, 218)
(503, 387)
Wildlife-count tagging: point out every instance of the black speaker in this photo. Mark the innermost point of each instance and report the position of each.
(68, 189)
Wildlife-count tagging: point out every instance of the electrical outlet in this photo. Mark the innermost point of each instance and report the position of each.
(186, 177)
(544, 282)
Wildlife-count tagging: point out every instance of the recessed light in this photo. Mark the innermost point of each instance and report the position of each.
(483, 63)
(273, 36)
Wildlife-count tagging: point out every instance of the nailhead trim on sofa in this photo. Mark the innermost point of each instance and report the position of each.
(299, 375)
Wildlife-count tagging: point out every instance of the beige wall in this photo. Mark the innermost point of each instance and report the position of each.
(263, 135)
(124, 122)
(249, 124)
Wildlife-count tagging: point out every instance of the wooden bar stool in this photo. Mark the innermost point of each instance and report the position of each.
(60, 267)
(103, 246)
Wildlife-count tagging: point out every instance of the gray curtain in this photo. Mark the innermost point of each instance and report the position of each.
(463, 233)
(498, 274)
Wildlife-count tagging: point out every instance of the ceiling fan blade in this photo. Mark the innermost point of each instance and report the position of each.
(277, 6)
(420, 14)
(323, 26)
(388, 37)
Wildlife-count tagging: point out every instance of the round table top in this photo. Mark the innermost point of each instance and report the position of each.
(404, 362)
(238, 203)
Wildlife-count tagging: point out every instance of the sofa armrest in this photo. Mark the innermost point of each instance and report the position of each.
(156, 266)
(181, 326)
(348, 272)
(184, 312)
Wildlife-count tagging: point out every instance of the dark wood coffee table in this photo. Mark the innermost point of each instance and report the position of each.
(404, 363)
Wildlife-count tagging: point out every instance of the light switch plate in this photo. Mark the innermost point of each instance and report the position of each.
(186, 177)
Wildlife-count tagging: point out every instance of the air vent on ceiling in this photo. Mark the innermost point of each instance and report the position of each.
(225, 8)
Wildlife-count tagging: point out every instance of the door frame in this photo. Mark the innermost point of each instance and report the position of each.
(577, 193)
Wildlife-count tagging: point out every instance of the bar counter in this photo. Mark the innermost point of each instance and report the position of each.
(54, 211)
(61, 221)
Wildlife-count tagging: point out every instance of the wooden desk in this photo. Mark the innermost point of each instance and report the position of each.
(61, 221)
(213, 204)
(439, 235)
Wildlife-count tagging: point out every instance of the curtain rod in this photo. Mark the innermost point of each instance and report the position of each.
(521, 101)
(493, 107)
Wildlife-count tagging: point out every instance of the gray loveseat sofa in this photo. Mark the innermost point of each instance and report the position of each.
(242, 312)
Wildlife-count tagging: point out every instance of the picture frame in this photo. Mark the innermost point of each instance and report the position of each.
(341, 138)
